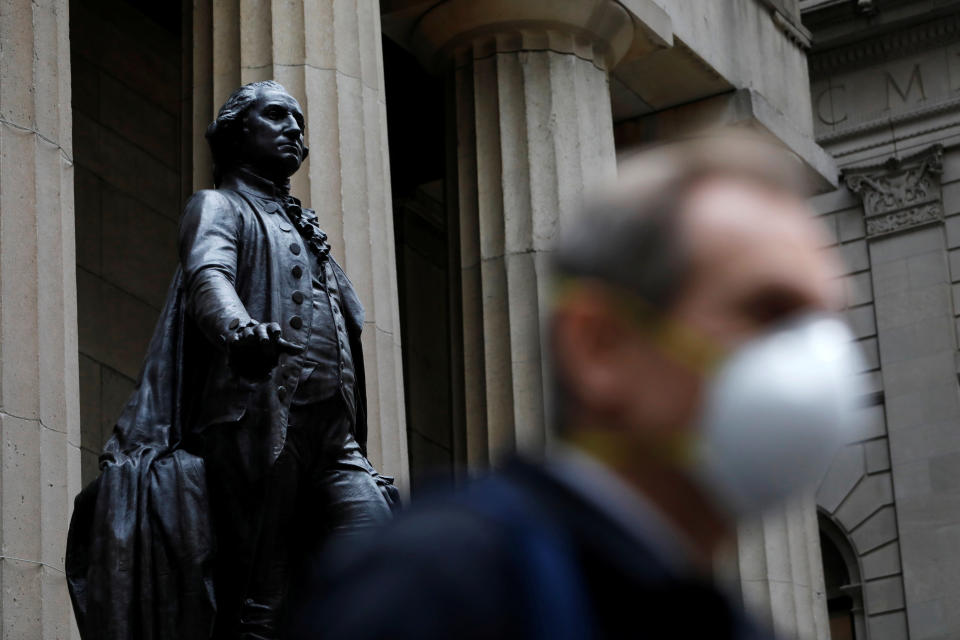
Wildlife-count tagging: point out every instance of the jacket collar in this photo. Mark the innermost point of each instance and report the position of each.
(242, 179)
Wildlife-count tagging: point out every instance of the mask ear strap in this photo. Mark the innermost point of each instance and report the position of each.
(682, 343)
(688, 346)
(622, 450)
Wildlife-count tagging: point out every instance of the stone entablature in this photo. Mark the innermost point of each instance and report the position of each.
(600, 31)
(892, 78)
(901, 193)
(894, 44)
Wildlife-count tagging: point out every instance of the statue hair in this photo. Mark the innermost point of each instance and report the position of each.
(223, 134)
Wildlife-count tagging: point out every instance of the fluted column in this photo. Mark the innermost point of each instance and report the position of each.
(781, 571)
(39, 396)
(328, 55)
(534, 132)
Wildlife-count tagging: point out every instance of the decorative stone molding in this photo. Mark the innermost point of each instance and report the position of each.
(901, 193)
(792, 28)
(912, 116)
(600, 31)
(894, 44)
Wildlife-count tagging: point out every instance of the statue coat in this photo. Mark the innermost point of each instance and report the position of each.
(140, 544)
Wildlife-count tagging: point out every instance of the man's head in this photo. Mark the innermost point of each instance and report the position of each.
(259, 127)
(698, 248)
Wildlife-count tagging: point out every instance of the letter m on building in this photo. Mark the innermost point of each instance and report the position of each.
(915, 79)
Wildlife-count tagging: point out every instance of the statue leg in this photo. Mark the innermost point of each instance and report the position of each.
(343, 491)
(351, 496)
(233, 501)
(277, 547)
(320, 485)
(253, 516)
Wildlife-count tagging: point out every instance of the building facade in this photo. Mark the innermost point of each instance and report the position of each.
(885, 90)
(450, 142)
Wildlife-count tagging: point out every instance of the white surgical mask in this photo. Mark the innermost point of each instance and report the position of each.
(775, 411)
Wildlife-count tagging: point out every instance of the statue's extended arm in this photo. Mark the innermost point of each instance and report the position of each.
(209, 248)
(209, 245)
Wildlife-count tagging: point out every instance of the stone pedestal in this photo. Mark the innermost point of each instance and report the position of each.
(39, 398)
(328, 55)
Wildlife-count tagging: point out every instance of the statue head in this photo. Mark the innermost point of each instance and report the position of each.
(259, 127)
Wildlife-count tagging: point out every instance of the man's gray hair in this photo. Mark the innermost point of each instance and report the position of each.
(628, 235)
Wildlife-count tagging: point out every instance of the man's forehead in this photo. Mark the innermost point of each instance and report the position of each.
(745, 211)
(742, 233)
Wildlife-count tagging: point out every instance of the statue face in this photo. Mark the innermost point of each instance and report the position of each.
(272, 142)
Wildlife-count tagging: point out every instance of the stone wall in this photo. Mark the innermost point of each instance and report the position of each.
(857, 491)
(884, 95)
(126, 105)
(894, 493)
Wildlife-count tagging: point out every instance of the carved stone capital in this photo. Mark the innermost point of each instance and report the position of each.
(454, 32)
(901, 193)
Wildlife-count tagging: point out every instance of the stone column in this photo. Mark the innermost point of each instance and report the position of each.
(328, 55)
(39, 395)
(534, 131)
(781, 571)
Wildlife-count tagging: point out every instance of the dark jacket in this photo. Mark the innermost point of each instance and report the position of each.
(140, 544)
(515, 555)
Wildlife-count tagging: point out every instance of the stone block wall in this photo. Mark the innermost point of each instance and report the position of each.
(126, 124)
(951, 206)
(895, 493)
(885, 106)
(857, 491)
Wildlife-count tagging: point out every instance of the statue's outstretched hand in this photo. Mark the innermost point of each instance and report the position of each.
(256, 348)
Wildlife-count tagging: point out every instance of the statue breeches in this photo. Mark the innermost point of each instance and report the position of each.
(321, 485)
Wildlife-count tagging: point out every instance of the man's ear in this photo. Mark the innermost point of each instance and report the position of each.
(588, 339)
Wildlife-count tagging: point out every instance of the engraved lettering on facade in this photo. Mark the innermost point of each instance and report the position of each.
(915, 78)
(831, 118)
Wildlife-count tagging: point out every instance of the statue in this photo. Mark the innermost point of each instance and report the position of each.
(243, 446)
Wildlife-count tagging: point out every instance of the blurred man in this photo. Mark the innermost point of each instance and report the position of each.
(699, 375)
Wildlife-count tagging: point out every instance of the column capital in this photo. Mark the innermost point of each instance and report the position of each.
(454, 32)
(901, 193)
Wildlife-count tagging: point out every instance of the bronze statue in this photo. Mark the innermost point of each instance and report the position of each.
(243, 447)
